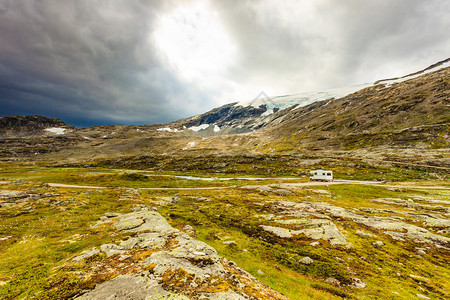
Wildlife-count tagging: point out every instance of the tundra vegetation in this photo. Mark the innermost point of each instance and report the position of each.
(365, 241)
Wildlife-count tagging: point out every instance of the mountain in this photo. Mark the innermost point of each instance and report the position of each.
(32, 135)
(255, 114)
(411, 112)
(264, 111)
(31, 125)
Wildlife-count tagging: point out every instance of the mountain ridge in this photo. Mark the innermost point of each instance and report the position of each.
(410, 113)
(251, 115)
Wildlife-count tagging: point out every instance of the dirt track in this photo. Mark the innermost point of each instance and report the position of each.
(299, 184)
(61, 185)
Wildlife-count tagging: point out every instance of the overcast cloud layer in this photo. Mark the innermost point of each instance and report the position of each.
(134, 62)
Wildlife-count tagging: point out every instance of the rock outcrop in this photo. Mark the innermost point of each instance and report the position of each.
(174, 264)
(28, 125)
(324, 229)
(11, 197)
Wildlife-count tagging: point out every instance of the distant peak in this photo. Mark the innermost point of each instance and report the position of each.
(434, 67)
(282, 102)
(260, 99)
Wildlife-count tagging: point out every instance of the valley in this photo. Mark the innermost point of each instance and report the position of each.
(220, 205)
(350, 239)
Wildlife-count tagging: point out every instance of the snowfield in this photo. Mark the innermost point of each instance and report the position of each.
(390, 82)
(198, 128)
(167, 129)
(303, 99)
(56, 130)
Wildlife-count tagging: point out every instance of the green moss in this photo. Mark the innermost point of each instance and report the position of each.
(33, 263)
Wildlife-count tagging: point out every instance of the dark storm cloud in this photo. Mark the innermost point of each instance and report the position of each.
(96, 62)
(86, 60)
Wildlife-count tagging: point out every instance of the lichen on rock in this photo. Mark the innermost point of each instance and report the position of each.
(174, 265)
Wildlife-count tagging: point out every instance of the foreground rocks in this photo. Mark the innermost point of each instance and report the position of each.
(311, 224)
(174, 264)
(11, 197)
(313, 220)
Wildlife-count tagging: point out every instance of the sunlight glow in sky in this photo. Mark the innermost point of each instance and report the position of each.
(194, 41)
(156, 61)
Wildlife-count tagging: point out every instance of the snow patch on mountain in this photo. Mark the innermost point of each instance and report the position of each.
(216, 128)
(303, 99)
(390, 82)
(167, 129)
(198, 128)
(56, 130)
(267, 113)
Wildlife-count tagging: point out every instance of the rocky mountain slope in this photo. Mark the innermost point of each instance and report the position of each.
(19, 126)
(264, 111)
(248, 116)
(414, 112)
(385, 122)
(33, 135)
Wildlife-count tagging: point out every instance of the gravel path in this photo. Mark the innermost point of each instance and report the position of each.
(298, 184)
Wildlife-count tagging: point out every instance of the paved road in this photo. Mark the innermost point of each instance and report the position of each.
(61, 185)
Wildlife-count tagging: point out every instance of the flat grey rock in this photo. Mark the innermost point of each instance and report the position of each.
(133, 286)
(173, 252)
(86, 254)
(392, 226)
(128, 223)
(363, 234)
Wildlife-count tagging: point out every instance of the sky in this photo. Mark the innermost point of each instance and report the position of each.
(148, 62)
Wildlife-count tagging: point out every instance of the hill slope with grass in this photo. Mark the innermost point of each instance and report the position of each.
(402, 120)
(413, 113)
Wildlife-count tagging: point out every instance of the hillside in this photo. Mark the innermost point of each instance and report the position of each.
(413, 113)
(220, 205)
(265, 111)
(403, 120)
(18, 126)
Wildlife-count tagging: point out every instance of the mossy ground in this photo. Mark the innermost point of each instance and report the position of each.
(35, 261)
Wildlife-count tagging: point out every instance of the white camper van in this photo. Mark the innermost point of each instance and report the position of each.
(321, 175)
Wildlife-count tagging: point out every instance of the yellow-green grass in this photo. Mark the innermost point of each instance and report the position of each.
(115, 178)
(45, 238)
(34, 262)
(231, 216)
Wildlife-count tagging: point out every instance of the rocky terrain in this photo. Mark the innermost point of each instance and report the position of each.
(266, 239)
(179, 267)
(219, 205)
(19, 126)
(405, 113)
